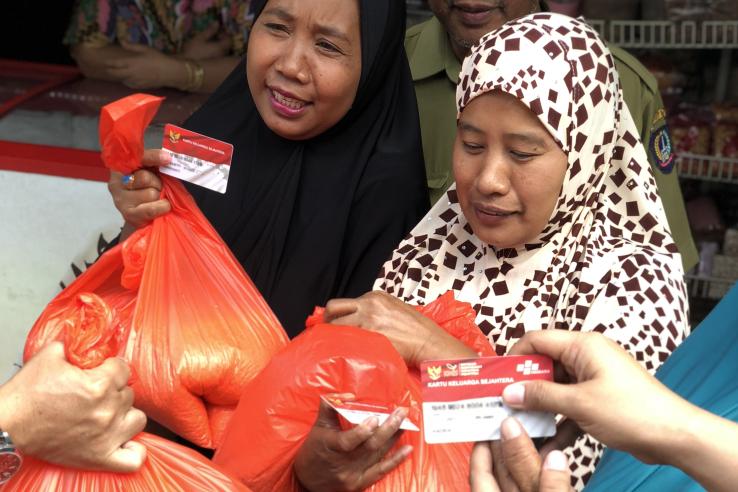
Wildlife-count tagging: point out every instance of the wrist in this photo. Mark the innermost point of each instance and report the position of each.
(10, 459)
(9, 413)
(192, 75)
(694, 437)
(679, 437)
(442, 345)
(127, 230)
(179, 74)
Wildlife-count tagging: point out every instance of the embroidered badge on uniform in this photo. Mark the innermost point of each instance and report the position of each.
(661, 149)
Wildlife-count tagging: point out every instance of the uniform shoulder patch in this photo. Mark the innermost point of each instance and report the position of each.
(661, 149)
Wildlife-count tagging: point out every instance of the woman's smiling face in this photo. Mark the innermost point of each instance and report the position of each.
(304, 64)
(508, 169)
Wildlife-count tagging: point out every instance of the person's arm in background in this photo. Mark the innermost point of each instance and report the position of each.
(59, 413)
(643, 99)
(142, 67)
(616, 401)
(414, 336)
(201, 65)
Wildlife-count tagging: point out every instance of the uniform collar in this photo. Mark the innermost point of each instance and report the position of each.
(433, 54)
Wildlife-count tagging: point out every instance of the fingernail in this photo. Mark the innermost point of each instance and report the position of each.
(510, 429)
(514, 394)
(556, 461)
(406, 450)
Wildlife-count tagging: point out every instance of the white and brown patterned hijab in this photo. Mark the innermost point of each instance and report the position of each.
(606, 261)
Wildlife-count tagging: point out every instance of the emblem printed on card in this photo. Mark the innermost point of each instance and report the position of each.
(197, 158)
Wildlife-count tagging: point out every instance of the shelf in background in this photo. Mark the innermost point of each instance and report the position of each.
(708, 168)
(669, 34)
(707, 287)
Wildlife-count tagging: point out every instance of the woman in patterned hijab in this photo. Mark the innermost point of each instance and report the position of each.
(554, 221)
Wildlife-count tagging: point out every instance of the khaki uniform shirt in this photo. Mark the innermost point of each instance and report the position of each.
(435, 71)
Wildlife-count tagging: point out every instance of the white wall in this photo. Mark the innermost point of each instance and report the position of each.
(45, 223)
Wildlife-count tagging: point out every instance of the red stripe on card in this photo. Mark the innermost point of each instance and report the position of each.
(454, 380)
(183, 141)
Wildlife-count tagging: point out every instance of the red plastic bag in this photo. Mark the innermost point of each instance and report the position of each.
(199, 330)
(278, 408)
(168, 467)
(92, 332)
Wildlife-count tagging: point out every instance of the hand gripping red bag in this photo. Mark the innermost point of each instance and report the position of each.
(199, 328)
(92, 332)
(278, 408)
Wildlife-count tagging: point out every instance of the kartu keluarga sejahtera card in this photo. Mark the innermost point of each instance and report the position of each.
(462, 398)
(197, 158)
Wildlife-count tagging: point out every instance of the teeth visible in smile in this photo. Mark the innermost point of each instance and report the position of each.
(288, 101)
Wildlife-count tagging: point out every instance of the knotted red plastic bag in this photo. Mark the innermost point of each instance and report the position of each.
(278, 408)
(199, 328)
(92, 332)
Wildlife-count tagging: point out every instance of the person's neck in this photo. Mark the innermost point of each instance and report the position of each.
(460, 51)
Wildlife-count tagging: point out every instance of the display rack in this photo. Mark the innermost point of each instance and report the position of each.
(668, 35)
(707, 287)
(708, 168)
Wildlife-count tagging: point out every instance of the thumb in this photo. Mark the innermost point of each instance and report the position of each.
(53, 350)
(338, 308)
(53, 355)
(555, 476)
(542, 396)
(327, 416)
(156, 158)
(128, 458)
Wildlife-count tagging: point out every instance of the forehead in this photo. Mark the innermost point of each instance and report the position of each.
(497, 110)
(340, 14)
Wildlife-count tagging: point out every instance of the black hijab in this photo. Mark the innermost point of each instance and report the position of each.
(312, 220)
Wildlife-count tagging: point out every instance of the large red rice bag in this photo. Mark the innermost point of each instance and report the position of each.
(199, 328)
(278, 408)
(92, 332)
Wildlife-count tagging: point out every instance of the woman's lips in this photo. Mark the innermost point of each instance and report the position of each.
(286, 104)
(492, 216)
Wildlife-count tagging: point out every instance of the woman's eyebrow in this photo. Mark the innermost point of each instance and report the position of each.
(279, 12)
(332, 32)
(467, 127)
(323, 29)
(527, 138)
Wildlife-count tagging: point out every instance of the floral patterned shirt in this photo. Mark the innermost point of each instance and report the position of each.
(161, 24)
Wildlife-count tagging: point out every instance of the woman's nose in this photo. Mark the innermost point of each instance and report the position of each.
(494, 178)
(292, 64)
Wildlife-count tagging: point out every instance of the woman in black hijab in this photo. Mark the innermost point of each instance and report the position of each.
(313, 206)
